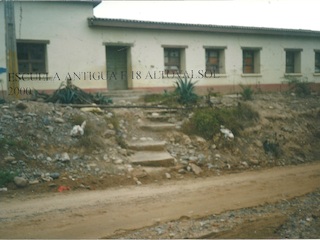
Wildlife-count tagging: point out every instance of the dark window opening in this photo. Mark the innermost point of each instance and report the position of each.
(31, 57)
(172, 60)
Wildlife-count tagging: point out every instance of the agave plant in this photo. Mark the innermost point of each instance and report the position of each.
(185, 90)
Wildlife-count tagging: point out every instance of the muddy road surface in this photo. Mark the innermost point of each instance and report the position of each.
(102, 214)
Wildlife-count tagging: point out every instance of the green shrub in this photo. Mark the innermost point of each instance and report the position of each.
(99, 98)
(272, 147)
(206, 122)
(247, 92)
(246, 114)
(185, 91)
(301, 87)
(6, 177)
(14, 143)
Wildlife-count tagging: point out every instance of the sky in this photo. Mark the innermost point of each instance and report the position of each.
(290, 14)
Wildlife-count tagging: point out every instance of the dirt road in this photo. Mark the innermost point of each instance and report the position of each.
(97, 214)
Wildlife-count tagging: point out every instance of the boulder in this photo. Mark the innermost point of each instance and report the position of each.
(197, 170)
(20, 181)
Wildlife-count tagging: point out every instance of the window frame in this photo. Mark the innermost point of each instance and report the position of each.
(246, 65)
(182, 59)
(317, 62)
(255, 52)
(220, 65)
(31, 60)
(172, 61)
(294, 63)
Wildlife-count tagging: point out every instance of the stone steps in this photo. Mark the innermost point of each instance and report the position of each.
(152, 159)
(158, 127)
(160, 118)
(160, 111)
(160, 114)
(147, 145)
(153, 154)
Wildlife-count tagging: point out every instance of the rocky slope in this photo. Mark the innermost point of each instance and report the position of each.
(35, 142)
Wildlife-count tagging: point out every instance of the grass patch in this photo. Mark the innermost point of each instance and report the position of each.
(247, 93)
(206, 122)
(301, 87)
(6, 177)
(14, 143)
(166, 98)
(272, 147)
(77, 119)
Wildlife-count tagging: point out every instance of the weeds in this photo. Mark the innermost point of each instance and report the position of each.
(301, 87)
(14, 143)
(167, 98)
(210, 93)
(77, 119)
(99, 98)
(247, 92)
(6, 177)
(272, 147)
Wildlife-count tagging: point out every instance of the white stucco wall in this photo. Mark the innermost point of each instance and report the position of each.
(147, 55)
(76, 47)
(64, 24)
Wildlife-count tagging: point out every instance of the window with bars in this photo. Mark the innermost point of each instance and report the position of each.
(251, 60)
(172, 60)
(290, 62)
(31, 57)
(212, 60)
(317, 62)
(293, 61)
(248, 61)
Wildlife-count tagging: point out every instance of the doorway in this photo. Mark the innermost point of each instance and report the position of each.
(117, 67)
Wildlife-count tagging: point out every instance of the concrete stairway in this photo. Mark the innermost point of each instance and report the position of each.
(158, 120)
(152, 153)
(160, 115)
(152, 159)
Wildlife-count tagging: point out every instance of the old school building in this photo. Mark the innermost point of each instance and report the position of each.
(62, 40)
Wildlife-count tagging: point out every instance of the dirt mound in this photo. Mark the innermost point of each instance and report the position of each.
(36, 144)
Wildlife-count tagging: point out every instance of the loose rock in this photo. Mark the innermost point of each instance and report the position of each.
(58, 120)
(54, 175)
(20, 181)
(197, 170)
(64, 157)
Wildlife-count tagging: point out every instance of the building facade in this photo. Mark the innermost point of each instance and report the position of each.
(62, 40)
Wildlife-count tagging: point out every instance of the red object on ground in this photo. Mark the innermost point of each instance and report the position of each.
(63, 188)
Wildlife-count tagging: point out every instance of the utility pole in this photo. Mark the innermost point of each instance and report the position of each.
(11, 50)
